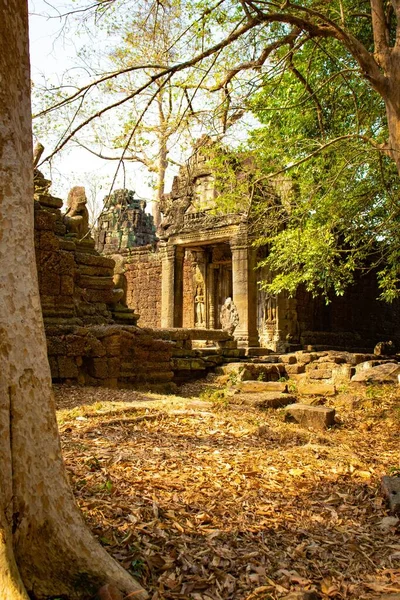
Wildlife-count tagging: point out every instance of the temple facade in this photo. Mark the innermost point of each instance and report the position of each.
(200, 258)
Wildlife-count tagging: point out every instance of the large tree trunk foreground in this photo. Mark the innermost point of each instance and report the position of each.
(45, 548)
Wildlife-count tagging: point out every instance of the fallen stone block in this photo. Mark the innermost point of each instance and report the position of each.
(265, 400)
(384, 373)
(306, 388)
(320, 374)
(342, 373)
(295, 369)
(316, 417)
(391, 491)
(248, 387)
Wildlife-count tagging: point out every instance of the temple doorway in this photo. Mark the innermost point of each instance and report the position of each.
(206, 283)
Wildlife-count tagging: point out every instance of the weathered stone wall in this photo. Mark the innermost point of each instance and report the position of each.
(143, 281)
(76, 284)
(356, 320)
(108, 355)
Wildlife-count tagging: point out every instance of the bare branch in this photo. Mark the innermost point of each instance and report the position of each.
(254, 64)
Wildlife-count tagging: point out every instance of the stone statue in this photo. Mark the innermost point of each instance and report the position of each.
(385, 349)
(76, 218)
(120, 278)
(200, 320)
(229, 316)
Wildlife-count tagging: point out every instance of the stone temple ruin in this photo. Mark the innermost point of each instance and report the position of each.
(194, 286)
(201, 258)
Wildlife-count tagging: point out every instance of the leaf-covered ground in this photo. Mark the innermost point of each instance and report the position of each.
(210, 502)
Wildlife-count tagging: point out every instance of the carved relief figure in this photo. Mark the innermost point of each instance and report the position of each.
(77, 216)
(200, 320)
(229, 316)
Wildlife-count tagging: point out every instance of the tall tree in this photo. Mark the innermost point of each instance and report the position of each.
(256, 29)
(322, 125)
(239, 43)
(45, 548)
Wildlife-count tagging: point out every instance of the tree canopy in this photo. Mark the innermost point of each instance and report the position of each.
(322, 78)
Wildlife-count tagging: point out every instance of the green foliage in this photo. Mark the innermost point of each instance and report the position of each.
(216, 396)
(318, 149)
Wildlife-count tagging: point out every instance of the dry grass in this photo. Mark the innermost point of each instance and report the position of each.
(225, 504)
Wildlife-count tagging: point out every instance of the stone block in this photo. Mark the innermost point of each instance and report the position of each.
(95, 283)
(233, 353)
(67, 367)
(68, 245)
(91, 270)
(50, 284)
(66, 263)
(198, 364)
(75, 345)
(114, 367)
(320, 374)
(334, 359)
(94, 260)
(56, 346)
(98, 368)
(383, 373)
(342, 373)
(50, 201)
(102, 296)
(48, 241)
(315, 417)
(304, 357)
(249, 387)
(44, 220)
(231, 344)
(288, 359)
(265, 400)
(188, 364)
(295, 369)
(356, 358)
(315, 366)
(306, 388)
(391, 491)
(93, 347)
(112, 345)
(67, 285)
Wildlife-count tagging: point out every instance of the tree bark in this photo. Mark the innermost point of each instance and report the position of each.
(392, 104)
(45, 548)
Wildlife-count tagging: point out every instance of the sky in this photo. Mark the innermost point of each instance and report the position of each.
(53, 50)
(55, 43)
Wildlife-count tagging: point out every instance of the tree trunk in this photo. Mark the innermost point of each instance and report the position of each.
(160, 190)
(45, 548)
(392, 103)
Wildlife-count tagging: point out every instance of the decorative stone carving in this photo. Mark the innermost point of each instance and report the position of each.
(124, 224)
(200, 317)
(76, 218)
(385, 349)
(229, 316)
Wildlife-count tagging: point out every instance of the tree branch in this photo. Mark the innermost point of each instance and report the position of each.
(380, 32)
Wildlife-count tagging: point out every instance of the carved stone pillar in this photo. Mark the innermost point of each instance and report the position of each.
(211, 297)
(168, 286)
(244, 290)
(178, 286)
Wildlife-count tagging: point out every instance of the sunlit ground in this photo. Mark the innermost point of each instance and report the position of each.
(211, 502)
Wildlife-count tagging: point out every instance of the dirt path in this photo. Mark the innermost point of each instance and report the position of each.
(209, 502)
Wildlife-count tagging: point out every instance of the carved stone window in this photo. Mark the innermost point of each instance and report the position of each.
(204, 192)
